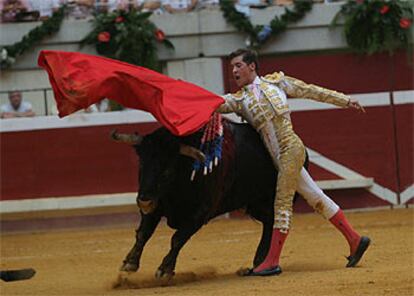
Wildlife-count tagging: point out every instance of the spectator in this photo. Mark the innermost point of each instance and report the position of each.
(45, 7)
(112, 5)
(152, 5)
(80, 9)
(177, 6)
(208, 4)
(282, 2)
(328, 1)
(103, 106)
(243, 6)
(16, 107)
(91, 109)
(105, 6)
(12, 10)
(252, 2)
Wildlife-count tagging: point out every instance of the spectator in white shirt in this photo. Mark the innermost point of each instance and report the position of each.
(16, 107)
(153, 6)
(243, 6)
(112, 5)
(103, 6)
(177, 6)
(80, 9)
(45, 7)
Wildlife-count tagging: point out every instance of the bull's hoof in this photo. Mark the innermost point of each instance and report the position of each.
(129, 267)
(164, 275)
(243, 271)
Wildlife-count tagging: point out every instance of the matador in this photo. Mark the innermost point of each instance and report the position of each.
(262, 102)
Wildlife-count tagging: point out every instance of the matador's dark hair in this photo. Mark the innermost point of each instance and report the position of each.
(249, 56)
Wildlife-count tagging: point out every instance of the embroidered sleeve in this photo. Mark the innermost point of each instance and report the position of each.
(231, 103)
(274, 77)
(299, 89)
(227, 106)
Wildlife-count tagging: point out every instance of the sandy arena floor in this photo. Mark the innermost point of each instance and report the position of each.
(86, 261)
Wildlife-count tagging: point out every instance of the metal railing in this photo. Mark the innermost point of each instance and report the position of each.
(46, 109)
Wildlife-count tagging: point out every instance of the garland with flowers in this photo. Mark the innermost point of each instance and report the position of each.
(128, 36)
(370, 26)
(376, 25)
(259, 34)
(9, 53)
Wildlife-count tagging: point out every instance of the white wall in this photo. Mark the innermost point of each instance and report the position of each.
(207, 72)
(197, 34)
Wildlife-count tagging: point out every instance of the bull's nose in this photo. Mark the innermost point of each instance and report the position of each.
(146, 206)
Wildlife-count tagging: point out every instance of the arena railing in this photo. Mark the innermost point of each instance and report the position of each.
(28, 95)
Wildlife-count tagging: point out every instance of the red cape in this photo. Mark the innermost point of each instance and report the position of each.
(80, 80)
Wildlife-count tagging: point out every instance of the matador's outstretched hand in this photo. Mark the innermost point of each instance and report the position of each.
(356, 105)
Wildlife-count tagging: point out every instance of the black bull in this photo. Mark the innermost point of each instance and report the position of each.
(245, 178)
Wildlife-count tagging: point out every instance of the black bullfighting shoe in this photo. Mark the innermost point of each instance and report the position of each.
(267, 272)
(17, 275)
(362, 247)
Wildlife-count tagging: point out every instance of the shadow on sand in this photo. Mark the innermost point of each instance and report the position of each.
(136, 281)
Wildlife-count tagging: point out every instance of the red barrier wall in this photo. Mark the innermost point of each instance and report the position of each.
(68, 161)
(346, 72)
(77, 161)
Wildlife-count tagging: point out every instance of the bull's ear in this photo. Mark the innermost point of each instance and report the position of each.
(192, 152)
(131, 139)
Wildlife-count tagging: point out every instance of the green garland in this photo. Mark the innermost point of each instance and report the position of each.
(259, 34)
(376, 25)
(127, 36)
(9, 53)
(370, 26)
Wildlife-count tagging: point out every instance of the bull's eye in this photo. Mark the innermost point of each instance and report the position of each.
(167, 173)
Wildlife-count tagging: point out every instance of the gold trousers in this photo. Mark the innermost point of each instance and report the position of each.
(288, 154)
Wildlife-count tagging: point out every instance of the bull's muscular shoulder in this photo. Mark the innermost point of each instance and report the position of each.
(275, 77)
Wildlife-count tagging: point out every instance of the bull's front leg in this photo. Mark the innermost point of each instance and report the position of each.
(178, 240)
(143, 233)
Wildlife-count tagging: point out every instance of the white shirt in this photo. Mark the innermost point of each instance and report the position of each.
(121, 4)
(259, 94)
(267, 132)
(177, 4)
(8, 108)
(45, 7)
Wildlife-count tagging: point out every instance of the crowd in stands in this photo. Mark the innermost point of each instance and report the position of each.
(39, 10)
(35, 10)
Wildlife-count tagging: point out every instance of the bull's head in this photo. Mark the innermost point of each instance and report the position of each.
(159, 169)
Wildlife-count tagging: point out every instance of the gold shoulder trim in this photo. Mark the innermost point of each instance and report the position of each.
(274, 77)
(238, 95)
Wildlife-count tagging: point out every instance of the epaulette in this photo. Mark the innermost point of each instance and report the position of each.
(238, 95)
(274, 77)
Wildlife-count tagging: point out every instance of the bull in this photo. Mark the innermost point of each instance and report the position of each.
(244, 179)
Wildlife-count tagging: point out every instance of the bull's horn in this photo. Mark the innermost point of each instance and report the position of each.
(132, 139)
(192, 152)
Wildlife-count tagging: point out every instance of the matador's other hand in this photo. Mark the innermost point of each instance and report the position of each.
(356, 105)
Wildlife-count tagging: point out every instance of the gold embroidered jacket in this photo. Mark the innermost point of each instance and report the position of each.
(273, 102)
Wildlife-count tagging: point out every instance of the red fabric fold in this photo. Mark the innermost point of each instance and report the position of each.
(79, 80)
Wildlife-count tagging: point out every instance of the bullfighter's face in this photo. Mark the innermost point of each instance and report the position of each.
(243, 73)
